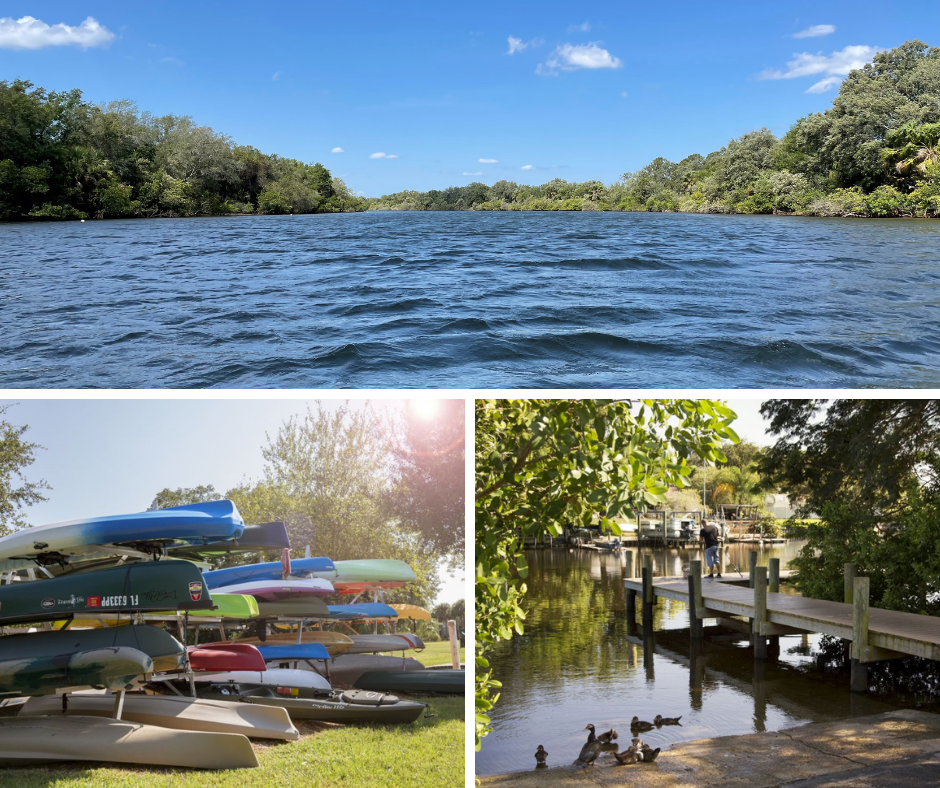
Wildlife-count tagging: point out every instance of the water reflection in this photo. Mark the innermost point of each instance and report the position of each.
(580, 661)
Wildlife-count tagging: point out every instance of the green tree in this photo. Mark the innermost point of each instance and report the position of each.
(544, 464)
(16, 491)
(182, 496)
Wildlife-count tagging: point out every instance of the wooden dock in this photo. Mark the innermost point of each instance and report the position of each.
(875, 634)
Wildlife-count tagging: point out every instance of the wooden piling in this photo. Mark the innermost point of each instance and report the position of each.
(628, 564)
(859, 676)
(647, 591)
(631, 605)
(752, 563)
(774, 576)
(695, 598)
(848, 579)
(759, 621)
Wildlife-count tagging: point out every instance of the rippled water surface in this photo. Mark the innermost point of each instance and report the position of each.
(580, 663)
(471, 300)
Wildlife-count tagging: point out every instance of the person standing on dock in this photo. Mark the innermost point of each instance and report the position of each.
(710, 535)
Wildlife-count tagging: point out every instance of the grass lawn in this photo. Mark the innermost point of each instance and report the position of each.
(425, 754)
(435, 654)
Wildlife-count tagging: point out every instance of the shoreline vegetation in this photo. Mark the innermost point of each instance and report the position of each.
(874, 153)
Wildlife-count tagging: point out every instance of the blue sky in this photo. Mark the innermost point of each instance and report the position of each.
(104, 456)
(435, 85)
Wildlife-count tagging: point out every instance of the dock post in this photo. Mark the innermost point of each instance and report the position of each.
(859, 677)
(647, 591)
(758, 637)
(752, 563)
(774, 576)
(628, 564)
(848, 577)
(631, 605)
(695, 598)
(721, 558)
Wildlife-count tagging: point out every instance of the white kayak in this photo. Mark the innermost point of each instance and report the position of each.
(272, 677)
(277, 590)
(373, 644)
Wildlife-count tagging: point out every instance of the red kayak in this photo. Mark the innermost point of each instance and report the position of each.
(223, 657)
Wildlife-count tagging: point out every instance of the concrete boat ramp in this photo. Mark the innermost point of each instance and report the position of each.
(897, 749)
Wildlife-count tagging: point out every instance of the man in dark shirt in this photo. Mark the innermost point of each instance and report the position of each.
(710, 535)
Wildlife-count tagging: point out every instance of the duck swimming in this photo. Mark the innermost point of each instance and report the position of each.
(659, 720)
(540, 756)
(636, 724)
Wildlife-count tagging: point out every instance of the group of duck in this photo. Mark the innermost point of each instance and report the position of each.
(638, 751)
(90, 668)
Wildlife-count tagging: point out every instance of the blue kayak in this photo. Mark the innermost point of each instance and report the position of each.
(272, 570)
(294, 651)
(362, 610)
(200, 523)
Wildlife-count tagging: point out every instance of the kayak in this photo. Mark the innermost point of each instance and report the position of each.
(334, 642)
(147, 531)
(116, 668)
(168, 711)
(346, 669)
(139, 587)
(411, 612)
(308, 607)
(362, 610)
(279, 590)
(344, 707)
(373, 644)
(215, 657)
(297, 651)
(229, 606)
(26, 740)
(451, 682)
(271, 570)
(272, 677)
(254, 539)
(353, 577)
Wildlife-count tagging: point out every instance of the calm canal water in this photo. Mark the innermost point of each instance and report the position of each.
(477, 300)
(577, 664)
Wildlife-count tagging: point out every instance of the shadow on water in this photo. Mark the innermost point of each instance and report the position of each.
(580, 661)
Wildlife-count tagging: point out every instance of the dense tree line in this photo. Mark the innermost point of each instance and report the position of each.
(62, 158)
(873, 153)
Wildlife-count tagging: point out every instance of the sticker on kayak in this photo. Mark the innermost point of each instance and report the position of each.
(94, 601)
(48, 603)
(195, 590)
(288, 691)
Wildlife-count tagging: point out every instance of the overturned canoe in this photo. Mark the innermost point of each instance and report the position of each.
(277, 590)
(215, 657)
(111, 668)
(335, 642)
(361, 611)
(167, 711)
(345, 707)
(353, 577)
(346, 669)
(270, 570)
(449, 682)
(374, 644)
(26, 740)
(140, 587)
(292, 652)
(266, 537)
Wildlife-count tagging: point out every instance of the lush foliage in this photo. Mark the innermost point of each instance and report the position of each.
(545, 464)
(62, 158)
(16, 491)
(872, 470)
(873, 153)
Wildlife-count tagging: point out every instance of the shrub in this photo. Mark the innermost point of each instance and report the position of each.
(271, 201)
(888, 201)
(50, 211)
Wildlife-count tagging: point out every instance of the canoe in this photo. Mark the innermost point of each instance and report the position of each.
(411, 612)
(308, 607)
(238, 607)
(216, 657)
(254, 539)
(270, 570)
(278, 590)
(167, 711)
(164, 649)
(343, 707)
(451, 682)
(361, 611)
(194, 524)
(115, 668)
(335, 642)
(374, 644)
(139, 587)
(272, 677)
(296, 651)
(26, 740)
(353, 577)
(346, 669)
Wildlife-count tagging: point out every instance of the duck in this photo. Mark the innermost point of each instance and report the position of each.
(540, 755)
(608, 736)
(589, 753)
(591, 736)
(630, 755)
(659, 720)
(645, 753)
(636, 724)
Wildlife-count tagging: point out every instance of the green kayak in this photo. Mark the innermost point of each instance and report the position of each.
(152, 585)
(236, 606)
(417, 682)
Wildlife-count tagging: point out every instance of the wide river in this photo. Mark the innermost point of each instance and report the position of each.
(475, 300)
(578, 663)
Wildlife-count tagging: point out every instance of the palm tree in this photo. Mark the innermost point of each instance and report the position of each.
(913, 148)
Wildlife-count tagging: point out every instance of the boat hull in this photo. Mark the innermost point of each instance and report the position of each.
(444, 682)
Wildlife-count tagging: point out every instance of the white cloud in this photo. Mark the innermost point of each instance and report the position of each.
(527, 167)
(623, 95)
(276, 76)
(582, 28)
(337, 150)
(824, 84)
(30, 33)
(571, 57)
(816, 31)
(488, 161)
(839, 63)
(382, 156)
(473, 173)
(517, 44)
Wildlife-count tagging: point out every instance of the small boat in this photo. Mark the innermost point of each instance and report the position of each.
(336, 643)
(114, 668)
(29, 740)
(450, 682)
(145, 531)
(278, 590)
(287, 678)
(266, 537)
(361, 611)
(345, 707)
(354, 577)
(222, 657)
(347, 668)
(239, 607)
(294, 653)
(139, 587)
(375, 644)
(270, 570)
(168, 711)
(411, 612)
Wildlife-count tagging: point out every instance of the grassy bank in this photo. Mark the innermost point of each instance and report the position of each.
(437, 654)
(425, 754)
